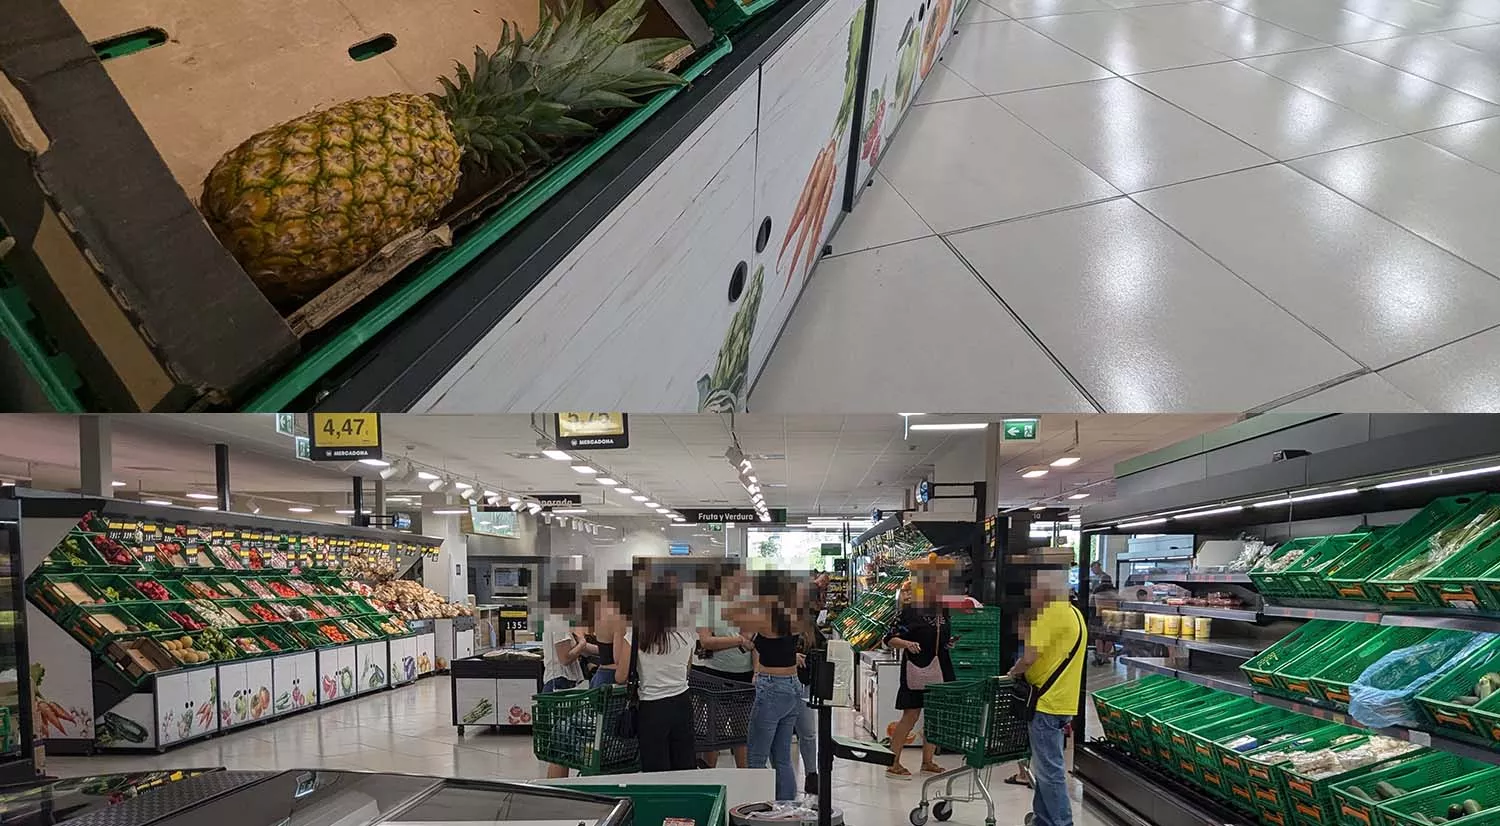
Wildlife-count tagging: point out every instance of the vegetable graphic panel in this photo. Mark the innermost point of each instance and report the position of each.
(723, 391)
(807, 103)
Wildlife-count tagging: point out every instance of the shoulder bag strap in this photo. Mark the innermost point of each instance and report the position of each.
(1041, 691)
(633, 681)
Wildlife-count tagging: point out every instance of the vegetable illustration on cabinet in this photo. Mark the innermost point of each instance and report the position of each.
(723, 391)
(810, 214)
(942, 10)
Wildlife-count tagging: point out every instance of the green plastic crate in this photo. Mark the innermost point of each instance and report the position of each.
(1356, 803)
(1396, 583)
(1311, 798)
(653, 803)
(1109, 702)
(1482, 787)
(575, 728)
(1263, 768)
(1479, 722)
(1231, 761)
(1291, 675)
(1349, 574)
(1308, 573)
(1182, 731)
(1135, 716)
(1201, 736)
(726, 16)
(1333, 680)
(1260, 670)
(1278, 583)
(1159, 722)
(1469, 580)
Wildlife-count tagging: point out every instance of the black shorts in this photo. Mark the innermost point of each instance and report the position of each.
(907, 698)
(737, 676)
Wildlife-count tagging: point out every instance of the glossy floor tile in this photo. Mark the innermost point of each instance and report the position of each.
(1373, 289)
(979, 12)
(1375, 90)
(1478, 141)
(1223, 29)
(1004, 170)
(1132, 138)
(1274, 116)
(1008, 56)
(1434, 193)
(1153, 323)
(1440, 60)
(1122, 43)
(1327, 169)
(866, 316)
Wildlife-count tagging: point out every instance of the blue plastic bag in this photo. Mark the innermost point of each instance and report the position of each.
(1385, 695)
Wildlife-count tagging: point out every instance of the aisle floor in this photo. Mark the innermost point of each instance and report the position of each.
(1148, 205)
(408, 730)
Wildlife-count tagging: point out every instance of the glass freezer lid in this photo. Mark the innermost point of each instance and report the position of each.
(339, 798)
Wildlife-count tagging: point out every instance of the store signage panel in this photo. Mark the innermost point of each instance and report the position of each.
(1019, 430)
(344, 437)
(552, 500)
(924, 492)
(833, 548)
(729, 515)
(592, 431)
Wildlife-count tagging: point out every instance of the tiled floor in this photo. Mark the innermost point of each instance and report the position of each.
(408, 730)
(1185, 205)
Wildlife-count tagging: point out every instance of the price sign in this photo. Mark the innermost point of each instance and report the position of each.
(343, 437)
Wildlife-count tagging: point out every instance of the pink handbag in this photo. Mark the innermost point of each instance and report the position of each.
(918, 678)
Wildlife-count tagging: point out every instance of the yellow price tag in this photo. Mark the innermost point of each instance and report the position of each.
(335, 430)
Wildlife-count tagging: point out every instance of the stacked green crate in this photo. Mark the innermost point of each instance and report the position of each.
(1136, 714)
(1349, 575)
(1229, 753)
(1465, 701)
(1296, 653)
(1308, 573)
(1331, 682)
(1272, 576)
(1472, 800)
(1263, 769)
(1110, 702)
(1357, 800)
(1190, 736)
(1396, 582)
(1469, 580)
(1159, 723)
(976, 646)
(1309, 792)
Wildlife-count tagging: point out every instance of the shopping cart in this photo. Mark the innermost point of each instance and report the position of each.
(576, 728)
(985, 722)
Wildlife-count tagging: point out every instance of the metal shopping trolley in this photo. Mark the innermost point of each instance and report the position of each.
(982, 720)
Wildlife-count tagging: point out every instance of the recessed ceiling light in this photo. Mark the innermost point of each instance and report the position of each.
(162, 502)
(605, 480)
(1066, 461)
(1034, 473)
(117, 484)
(375, 462)
(514, 500)
(300, 510)
(348, 512)
(201, 496)
(653, 505)
(435, 485)
(559, 455)
(909, 415)
(951, 426)
(640, 498)
(570, 510)
(423, 474)
(1038, 507)
(585, 470)
(663, 510)
(624, 490)
(1079, 496)
(449, 511)
(462, 485)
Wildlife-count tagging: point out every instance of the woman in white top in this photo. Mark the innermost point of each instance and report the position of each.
(662, 656)
(564, 647)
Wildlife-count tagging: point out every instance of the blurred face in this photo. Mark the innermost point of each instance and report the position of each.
(930, 585)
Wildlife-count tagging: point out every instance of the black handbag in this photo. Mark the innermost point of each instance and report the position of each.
(1028, 696)
(628, 724)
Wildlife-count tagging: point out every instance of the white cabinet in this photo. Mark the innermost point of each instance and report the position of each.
(336, 673)
(805, 126)
(371, 661)
(636, 314)
(187, 704)
(245, 692)
(294, 681)
(403, 660)
(475, 701)
(426, 653)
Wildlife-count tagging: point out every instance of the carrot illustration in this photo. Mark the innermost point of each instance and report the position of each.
(941, 12)
(804, 202)
(805, 219)
(825, 204)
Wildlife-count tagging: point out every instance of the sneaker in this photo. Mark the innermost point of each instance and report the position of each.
(810, 783)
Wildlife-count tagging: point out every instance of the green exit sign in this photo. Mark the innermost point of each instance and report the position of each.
(1019, 430)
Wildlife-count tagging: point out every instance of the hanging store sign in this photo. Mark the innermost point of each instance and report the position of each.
(552, 500)
(344, 437)
(924, 492)
(778, 515)
(833, 548)
(1018, 430)
(592, 431)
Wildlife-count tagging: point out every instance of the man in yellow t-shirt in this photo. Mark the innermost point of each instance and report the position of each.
(1055, 639)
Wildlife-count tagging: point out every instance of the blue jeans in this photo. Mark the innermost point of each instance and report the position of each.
(557, 684)
(807, 735)
(604, 675)
(1049, 776)
(773, 717)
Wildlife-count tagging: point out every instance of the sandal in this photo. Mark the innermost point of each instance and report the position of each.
(898, 771)
(932, 768)
(1015, 780)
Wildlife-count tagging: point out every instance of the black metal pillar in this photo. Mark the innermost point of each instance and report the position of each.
(359, 517)
(221, 475)
(1085, 606)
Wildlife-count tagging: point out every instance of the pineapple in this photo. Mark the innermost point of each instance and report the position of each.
(302, 203)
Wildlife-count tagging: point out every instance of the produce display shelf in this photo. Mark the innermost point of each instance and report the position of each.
(1142, 795)
(1232, 682)
(1147, 607)
(1237, 578)
(1417, 736)
(1452, 622)
(1227, 649)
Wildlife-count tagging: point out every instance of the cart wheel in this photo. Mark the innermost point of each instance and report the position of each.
(942, 810)
(918, 816)
(1030, 818)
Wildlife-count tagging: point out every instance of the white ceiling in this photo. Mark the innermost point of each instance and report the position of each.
(814, 464)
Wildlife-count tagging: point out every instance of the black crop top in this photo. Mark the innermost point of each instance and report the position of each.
(777, 652)
(606, 652)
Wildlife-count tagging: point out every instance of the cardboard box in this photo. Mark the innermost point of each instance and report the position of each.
(102, 163)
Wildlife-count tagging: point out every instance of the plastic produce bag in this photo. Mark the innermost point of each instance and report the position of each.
(1384, 695)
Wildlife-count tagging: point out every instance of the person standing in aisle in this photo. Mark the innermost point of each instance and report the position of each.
(1103, 587)
(565, 646)
(923, 636)
(663, 653)
(778, 692)
(807, 718)
(1053, 666)
(611, 624)
(724, 651)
